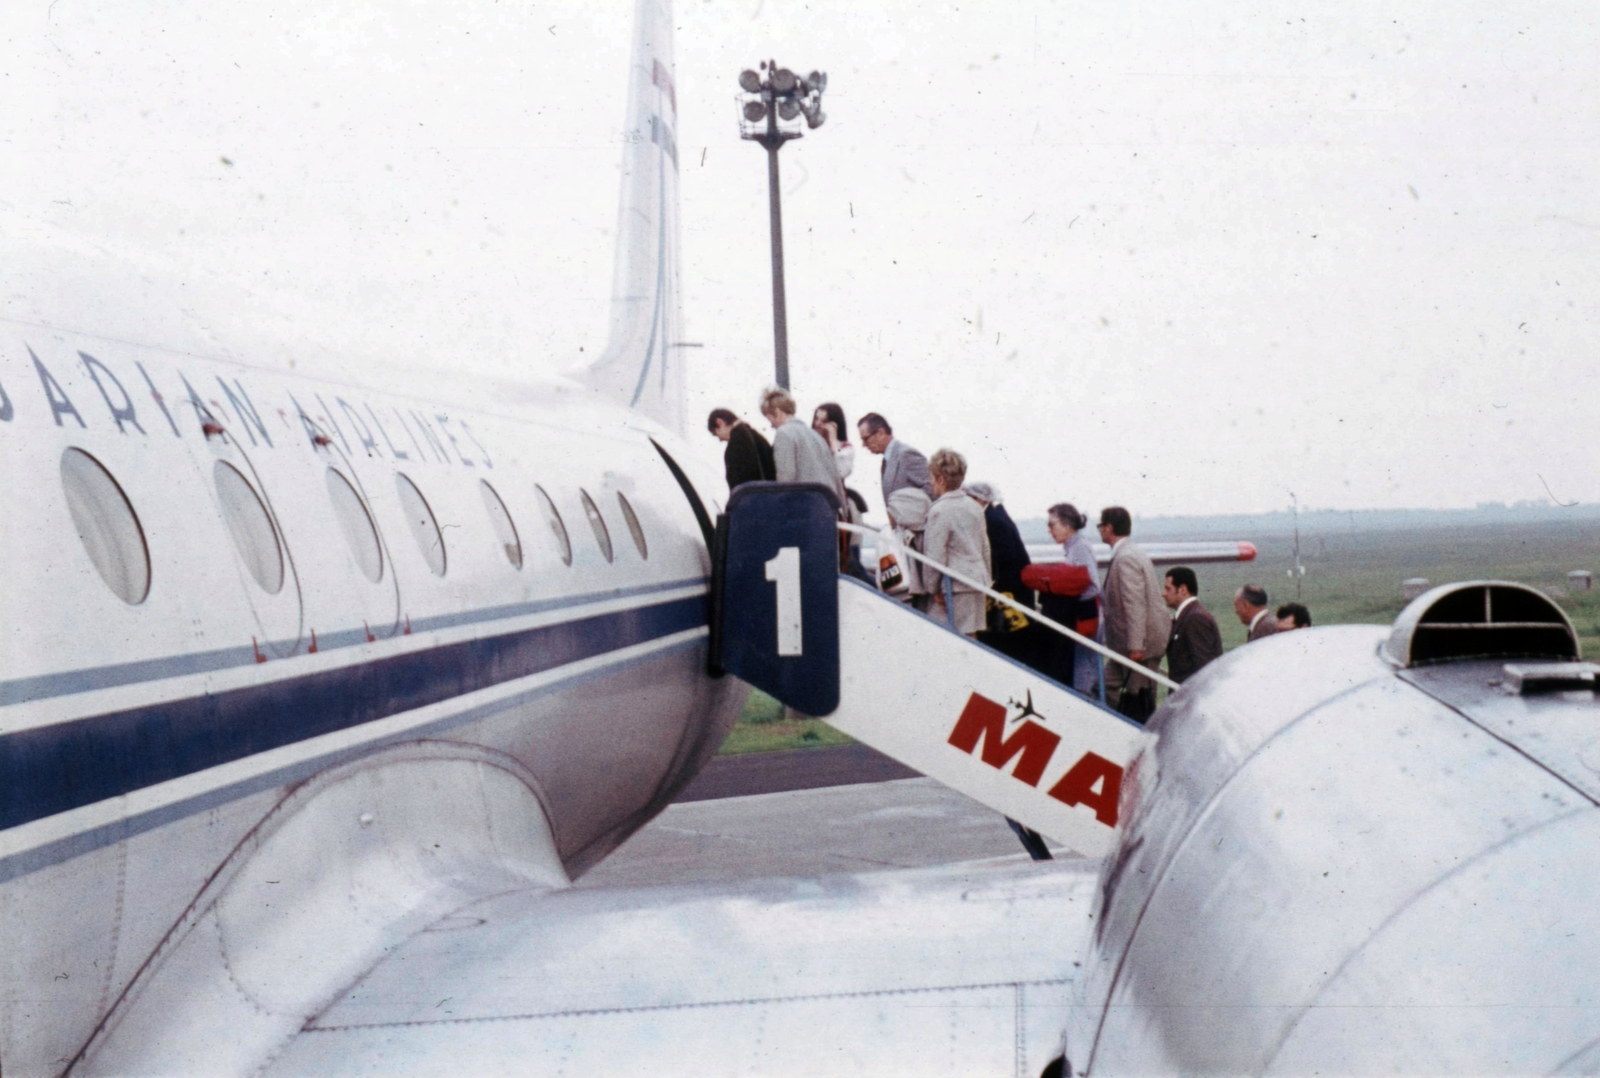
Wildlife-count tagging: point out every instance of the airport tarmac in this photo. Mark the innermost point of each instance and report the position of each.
(764, 815)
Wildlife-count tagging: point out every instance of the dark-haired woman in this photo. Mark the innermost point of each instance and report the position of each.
(828, 421)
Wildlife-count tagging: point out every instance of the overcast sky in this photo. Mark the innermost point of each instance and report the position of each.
(1183, 257)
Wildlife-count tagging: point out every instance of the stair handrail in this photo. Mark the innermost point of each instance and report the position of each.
(1034, 615)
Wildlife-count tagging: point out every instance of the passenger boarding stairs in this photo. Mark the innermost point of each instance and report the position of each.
(786, 621)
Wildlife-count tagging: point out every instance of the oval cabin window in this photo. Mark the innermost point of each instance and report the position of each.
(254, 537)
(597, 524)
(634, 528)
(356, 523)
(107, 526)
(424, 528)
(504, 529)
(552, 516)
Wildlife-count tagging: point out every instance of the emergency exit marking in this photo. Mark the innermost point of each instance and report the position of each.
(784, 571)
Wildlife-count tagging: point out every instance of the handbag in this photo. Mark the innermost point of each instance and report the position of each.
(1000, 618)
(891, 575)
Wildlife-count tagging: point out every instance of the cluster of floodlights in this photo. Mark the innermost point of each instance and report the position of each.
(781, 96)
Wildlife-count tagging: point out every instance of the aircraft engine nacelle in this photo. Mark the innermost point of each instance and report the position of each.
(1355, 849)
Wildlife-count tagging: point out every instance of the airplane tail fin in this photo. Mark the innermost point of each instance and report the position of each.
(641, 365)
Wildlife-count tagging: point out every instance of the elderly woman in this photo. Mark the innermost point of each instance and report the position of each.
(1008, 632)
(956, 537)
(1069, 593)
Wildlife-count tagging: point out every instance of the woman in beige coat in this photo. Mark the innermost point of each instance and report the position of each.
(957, 537)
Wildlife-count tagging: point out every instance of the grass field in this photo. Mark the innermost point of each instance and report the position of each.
(1353, 575)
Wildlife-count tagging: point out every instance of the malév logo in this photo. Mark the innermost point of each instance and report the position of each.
(983, 722)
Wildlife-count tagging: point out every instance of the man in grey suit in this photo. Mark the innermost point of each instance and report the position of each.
(902, 465)
(1250, 603)
(1136, 619)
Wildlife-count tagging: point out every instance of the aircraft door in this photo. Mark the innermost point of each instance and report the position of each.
(268, 575)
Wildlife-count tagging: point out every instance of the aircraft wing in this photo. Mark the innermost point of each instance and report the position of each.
(1193, 552)
(961, 969)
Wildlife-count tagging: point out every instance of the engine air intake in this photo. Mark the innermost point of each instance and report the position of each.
(1484, 619)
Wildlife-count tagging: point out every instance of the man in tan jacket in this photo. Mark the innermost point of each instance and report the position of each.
(1136, 619)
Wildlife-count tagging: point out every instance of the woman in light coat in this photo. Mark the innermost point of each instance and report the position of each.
(958, 537)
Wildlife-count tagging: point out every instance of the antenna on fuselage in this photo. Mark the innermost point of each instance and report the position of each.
(1299, 570)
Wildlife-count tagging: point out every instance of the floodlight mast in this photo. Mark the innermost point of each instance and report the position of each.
(782, 95)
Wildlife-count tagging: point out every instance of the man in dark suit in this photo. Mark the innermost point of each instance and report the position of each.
(1195, 639)
(748, 456)
(1250, 603)
(1293, 616)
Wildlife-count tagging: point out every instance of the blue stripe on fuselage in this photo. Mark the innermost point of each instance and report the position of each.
(66, 682)
(52, 769)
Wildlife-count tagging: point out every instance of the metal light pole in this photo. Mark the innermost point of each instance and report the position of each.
(768, 111)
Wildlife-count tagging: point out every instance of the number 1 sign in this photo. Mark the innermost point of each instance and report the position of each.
(777, 626)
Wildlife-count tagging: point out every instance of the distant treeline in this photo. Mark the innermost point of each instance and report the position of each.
(1254, 526)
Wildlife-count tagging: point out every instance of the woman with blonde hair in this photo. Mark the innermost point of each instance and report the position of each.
(799, 455)
(957, 537)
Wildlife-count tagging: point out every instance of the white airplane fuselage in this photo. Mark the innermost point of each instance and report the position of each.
(145, 736)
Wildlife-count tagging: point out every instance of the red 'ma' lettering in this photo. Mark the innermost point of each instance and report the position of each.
(984, 720)
(1077, 787)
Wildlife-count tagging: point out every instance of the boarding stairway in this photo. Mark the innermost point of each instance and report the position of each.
(785, 620)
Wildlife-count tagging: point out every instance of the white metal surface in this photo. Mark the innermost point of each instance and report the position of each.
(1326, 869)
(137, 783)
(957, 970)
(341, 872)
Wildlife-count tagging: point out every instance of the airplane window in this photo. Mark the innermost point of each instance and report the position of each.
(253, 534)
(107, 525)
(356, 523)
(634, 527)
(596, 522)
(424, 528)
(503, 526)
(553, 516)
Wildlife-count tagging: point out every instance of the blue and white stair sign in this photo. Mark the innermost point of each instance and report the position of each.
(777, 622)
